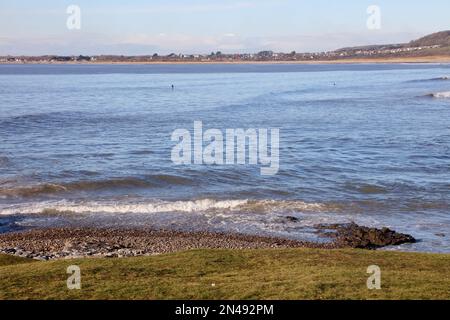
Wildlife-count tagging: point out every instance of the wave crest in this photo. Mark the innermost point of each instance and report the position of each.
(440, 95)
(109, 184)
(202, 205)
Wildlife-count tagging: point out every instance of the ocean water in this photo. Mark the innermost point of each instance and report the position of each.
(84, 145)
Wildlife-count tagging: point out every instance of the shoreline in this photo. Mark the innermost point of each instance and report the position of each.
(417, 60)
(64, 243)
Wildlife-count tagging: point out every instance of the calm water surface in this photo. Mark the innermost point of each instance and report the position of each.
(90, 146)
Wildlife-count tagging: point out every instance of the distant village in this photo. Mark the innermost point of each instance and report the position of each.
(346, 53)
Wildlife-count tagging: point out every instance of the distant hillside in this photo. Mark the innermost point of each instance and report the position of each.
(436, 44)
(439, 38)
(431, 47)
(372, 47)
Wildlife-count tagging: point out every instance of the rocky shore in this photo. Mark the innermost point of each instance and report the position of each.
(355, 236)
(64, 243)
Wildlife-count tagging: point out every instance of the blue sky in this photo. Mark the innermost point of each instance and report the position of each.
(201, 26)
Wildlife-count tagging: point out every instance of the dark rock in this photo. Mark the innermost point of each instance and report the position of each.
(355, 236)
(291, 219)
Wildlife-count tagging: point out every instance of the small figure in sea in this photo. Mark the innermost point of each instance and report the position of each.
(173, 87)
(334, 84)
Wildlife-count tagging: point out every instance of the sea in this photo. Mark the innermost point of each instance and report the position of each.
(91, 146)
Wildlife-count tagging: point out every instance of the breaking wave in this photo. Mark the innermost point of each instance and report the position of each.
(440, 95)
(202, 205)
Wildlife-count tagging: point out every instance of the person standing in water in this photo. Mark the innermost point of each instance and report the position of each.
(173, 87)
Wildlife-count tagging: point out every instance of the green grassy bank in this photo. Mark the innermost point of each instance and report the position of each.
(226, 274)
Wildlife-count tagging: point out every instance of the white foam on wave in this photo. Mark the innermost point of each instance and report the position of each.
(203, 205)
(441, 95)
(111, 207)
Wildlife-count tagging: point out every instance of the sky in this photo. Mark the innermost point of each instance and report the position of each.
(138, 27)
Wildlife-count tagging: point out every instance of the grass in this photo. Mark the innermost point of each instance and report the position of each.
(226, 274)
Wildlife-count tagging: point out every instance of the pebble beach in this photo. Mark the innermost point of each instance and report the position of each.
(48, 244)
